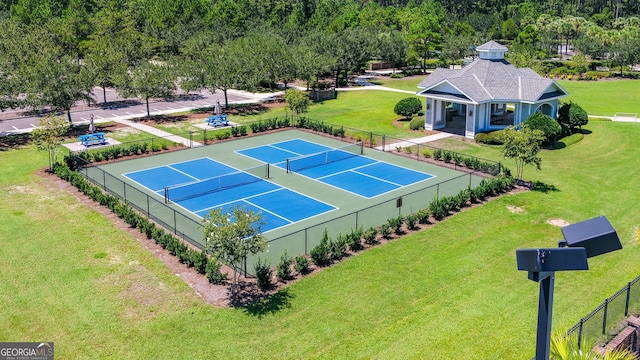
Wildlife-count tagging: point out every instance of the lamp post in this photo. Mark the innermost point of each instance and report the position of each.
(582, 240)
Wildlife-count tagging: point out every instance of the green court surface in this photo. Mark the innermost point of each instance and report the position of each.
(352, 211)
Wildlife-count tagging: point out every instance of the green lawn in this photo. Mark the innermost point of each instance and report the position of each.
(408, 83)
(604, 98)
(450, 292)
(400, 300)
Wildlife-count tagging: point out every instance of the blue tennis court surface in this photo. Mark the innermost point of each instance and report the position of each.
(342, 168)
(204, 184)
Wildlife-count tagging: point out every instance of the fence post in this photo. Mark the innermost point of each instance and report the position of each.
(148, 207)
(418, 152)
(190, 139)
(124, 191)
(580, 335)
(205, 136)
(305, 241)
(626, 304)
(371, 139)
(383, 141)
(175, 223)
(604, 318)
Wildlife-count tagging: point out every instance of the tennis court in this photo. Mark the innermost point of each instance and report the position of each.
(203, 184)
(342, 167)
(301, 183)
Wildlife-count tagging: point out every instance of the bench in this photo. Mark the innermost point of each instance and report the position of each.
(217, 120)
(93, 139)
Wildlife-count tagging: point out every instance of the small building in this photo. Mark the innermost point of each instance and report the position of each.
(488, 94)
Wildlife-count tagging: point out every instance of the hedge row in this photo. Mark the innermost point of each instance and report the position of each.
(199, 260)
(115, 152)
(329, 250)
(467, 161)
(269, 124)
(320, 126)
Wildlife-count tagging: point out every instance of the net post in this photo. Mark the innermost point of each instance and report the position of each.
(268, 171)
(288, 166)
(166, 194)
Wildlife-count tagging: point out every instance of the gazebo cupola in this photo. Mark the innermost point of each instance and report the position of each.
(491, 51)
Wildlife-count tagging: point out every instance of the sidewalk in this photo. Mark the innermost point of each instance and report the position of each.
(422, 140)
(159, 133)
(376, 87)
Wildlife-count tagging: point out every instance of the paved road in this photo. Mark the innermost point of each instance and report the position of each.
(19, 121)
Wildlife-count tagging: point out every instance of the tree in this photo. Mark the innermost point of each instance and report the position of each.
(407, 107)
(545, 123)
(523, 147)
(232, 237)
(58, 82)
(49, 135)
(572, 116)
(391, 48)
(297, 101)
(151, 80)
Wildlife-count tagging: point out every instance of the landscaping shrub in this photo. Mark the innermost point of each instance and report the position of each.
(572, 116)
(200, 262)
(407, 107)
(426, 152)
(395, 225)
(354, 240)
(417, 124)
(545, 123)
(263, 274)
(568, 140)
(283, 269)
(385, 231)
(490, 138)
(320, 253)
(303, 265)
(338, 247)
(423, 216)
(437, 154)
(214, 275)
(410, 221)
(370, 236)
(437, 209)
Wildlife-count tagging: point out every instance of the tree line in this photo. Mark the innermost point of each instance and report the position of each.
(53, 52)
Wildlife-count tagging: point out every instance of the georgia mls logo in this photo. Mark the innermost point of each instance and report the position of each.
(26, 351)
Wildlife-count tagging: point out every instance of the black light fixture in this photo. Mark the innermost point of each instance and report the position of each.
(582, 240)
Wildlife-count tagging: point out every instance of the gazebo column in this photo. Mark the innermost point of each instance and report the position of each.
(429, 114)
(470, 121)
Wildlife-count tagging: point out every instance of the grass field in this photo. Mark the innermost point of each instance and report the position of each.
(450, 292)
(604, 98)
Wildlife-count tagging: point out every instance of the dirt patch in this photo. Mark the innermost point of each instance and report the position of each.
(558, 222)
(516, 209)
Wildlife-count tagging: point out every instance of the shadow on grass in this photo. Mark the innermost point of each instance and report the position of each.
(539, 186)
(9, 142)
(271, 304)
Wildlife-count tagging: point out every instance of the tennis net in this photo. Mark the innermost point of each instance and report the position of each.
(197, 188)
(325, 157)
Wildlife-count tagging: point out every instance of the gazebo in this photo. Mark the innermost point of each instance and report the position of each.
(488, 94)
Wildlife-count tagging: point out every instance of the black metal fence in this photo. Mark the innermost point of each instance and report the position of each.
(603, 323)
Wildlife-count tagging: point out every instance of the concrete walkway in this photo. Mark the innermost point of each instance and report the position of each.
(377, 87)
(422, 140)
(159, 133)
